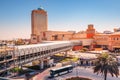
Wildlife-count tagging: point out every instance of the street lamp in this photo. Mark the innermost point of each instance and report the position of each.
(14, 57)
(13, 48)
(76, 71)
(5, 58)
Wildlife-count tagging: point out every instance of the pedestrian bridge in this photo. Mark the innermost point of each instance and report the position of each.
(24, 54)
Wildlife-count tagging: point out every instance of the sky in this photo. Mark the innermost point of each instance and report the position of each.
(63, 15)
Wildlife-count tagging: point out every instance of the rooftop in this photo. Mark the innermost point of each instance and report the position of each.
(116, 33)
(48, 43)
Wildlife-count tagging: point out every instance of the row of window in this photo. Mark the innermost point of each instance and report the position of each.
(116, 38)
(6, 64)
(6, 57)
(105, 38)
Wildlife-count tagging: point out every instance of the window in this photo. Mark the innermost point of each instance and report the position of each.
(34, 38)
(117, 38)
(113, 38)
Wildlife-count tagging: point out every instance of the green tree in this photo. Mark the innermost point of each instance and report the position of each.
(105, 64)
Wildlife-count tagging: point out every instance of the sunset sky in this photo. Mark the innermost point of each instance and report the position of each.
(63, 15)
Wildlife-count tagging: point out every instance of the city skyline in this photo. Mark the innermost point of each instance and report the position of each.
(63, 15)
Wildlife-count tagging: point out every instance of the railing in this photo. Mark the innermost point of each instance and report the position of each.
(21, 59)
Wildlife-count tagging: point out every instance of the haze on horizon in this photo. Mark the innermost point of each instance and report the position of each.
(63, 15)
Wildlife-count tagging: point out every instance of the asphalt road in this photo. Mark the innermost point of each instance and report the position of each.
(83, 72)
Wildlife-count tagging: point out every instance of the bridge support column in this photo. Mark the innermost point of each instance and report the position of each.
(41, 64)
(66, 52)
(20, 66)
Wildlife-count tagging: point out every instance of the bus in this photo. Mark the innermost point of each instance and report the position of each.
(58, 71)
(4, 78)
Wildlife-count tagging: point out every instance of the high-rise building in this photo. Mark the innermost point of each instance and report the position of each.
(39, 23)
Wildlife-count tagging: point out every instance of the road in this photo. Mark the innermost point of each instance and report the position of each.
(84, 72)
(77, 71)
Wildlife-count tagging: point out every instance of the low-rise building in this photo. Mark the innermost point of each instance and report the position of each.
(56, 35)
(101, 40)
(108, 41)
(114, 41)
(79, 35)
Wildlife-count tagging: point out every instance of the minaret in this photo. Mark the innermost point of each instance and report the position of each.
(39, 23)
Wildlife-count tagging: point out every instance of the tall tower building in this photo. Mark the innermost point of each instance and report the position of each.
(39, 24)
(90, 31)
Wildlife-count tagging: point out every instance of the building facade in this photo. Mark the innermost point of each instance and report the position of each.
(80, 35)
(114, 42)
(108, 41)
(39, 23)
(101, 40)
(90, 31)
(89, 38)
(56, 35)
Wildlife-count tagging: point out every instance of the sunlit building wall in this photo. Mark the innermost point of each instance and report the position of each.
(39, 23)
(90, 31)
(114, 41)
(101, 40)
(56, 35)
(80, 35)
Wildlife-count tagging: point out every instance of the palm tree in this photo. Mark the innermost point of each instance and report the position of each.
(106, 64)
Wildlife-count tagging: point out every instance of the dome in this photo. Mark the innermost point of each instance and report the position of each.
(40, 8)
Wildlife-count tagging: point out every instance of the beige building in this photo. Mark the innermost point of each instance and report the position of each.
(114, 41)
(56, 35)
(80, 35)
(108, 41)
(39, 23)
(40, 32)
(101, 40)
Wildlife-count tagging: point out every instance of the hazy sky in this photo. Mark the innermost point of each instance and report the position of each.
(15, 15)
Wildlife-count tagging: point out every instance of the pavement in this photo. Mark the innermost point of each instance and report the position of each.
(77, 71)
(84, 72)
(45, 74)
